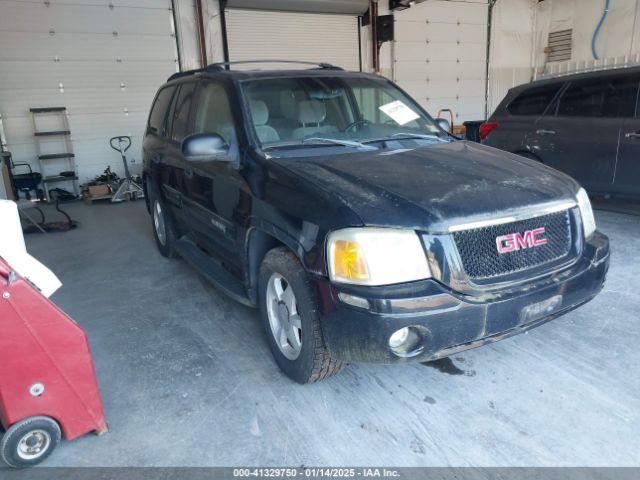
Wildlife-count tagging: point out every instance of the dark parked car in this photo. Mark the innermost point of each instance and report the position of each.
(586, 125)
(359, 226)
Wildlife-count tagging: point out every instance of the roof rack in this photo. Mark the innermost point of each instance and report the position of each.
(221, 66)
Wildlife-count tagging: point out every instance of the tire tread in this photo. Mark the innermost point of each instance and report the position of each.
(17, 429)
(324, 365)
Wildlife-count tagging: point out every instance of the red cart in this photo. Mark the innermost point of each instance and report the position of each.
(48, 386)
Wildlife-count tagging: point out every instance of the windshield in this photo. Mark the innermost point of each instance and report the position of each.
(335, 112)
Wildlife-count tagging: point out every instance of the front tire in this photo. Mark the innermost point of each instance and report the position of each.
(289, 313)
(29, 442)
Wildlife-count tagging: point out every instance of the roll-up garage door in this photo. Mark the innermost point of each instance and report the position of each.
(101, 60)
(440, 56)
(316, 37)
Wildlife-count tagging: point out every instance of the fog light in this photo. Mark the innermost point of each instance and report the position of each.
(406, 342)
(398, 337)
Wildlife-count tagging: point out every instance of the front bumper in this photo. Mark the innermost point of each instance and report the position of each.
(450, 322)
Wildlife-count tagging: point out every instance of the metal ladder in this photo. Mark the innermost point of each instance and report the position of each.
(44, 159)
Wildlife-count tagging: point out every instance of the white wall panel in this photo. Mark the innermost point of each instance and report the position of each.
(511, 46)
(439, 56)
(89, 19)
(101, 60)
(314, 37)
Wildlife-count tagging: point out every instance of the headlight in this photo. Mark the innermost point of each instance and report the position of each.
(588, 221)
(376, 256)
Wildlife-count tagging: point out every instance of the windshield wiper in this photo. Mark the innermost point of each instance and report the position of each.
(319, 141)
(344, 143)
(408, 136)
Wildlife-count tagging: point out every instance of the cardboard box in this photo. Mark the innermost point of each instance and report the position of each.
(97, 191)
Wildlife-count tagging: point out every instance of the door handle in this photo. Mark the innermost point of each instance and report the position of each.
(188, 172)
(632, 134)
(545, 132)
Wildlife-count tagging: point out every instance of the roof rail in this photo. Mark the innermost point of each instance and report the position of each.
(561, 69)
(321, 65)
(209, 68)
(221, 66)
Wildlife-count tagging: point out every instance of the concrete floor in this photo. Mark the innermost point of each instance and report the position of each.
(187, 378)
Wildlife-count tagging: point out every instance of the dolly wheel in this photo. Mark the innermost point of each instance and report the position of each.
(29, 442)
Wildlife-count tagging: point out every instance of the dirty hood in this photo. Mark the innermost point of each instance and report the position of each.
(433, 188)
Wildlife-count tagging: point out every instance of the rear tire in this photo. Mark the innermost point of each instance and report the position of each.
(287, 300)
(164, 227)
(29, 442)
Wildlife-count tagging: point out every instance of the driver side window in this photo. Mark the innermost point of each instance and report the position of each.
(214, 112)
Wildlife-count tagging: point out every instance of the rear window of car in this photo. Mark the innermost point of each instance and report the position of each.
(159, 109)
(534, 100)
(611, 97)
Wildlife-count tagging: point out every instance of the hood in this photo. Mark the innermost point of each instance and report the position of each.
(433, 188)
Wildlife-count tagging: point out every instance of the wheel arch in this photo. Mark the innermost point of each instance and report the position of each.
(260, 240)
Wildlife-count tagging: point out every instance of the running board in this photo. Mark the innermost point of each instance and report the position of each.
(213, 271)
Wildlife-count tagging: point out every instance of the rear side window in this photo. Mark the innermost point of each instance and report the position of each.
(159, 110)
(533, 101)
(602, 97)
(180, 117)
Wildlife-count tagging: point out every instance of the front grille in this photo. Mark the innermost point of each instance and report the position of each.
(479, 252)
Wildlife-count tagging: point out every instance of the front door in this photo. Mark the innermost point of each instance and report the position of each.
(215, 188)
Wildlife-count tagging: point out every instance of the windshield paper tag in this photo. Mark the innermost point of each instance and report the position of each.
(399, 112)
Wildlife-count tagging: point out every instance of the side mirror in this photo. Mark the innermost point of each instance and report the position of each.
(444, 124)
(204, 147)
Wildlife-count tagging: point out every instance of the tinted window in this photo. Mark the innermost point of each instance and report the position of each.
(534, 101)
(601, 97)
(180, 115)
(351, 108)
(159, 109)
(214, 112)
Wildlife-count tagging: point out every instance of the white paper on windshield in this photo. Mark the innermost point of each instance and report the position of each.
(399, 112)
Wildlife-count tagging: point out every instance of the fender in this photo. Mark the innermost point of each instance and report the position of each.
(262, 236)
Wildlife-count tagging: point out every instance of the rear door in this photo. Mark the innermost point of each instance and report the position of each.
(517, 121)
(177, 127)
(579, 136)
(154, 146)
(627, 173)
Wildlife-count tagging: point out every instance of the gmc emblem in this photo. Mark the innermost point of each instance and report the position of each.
(518, 241)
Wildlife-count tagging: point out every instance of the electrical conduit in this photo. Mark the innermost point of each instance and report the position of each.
(597, 30)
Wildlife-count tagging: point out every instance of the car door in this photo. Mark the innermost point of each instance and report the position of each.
(627, 173)
(580, 136)
(517, 122)
(215, 189)
(174, 187)
(155, 142)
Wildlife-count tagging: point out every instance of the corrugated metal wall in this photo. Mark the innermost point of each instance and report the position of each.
(256, 34)
(103, 61)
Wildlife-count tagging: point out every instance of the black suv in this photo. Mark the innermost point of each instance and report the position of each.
(586, 125)
(359, 226)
